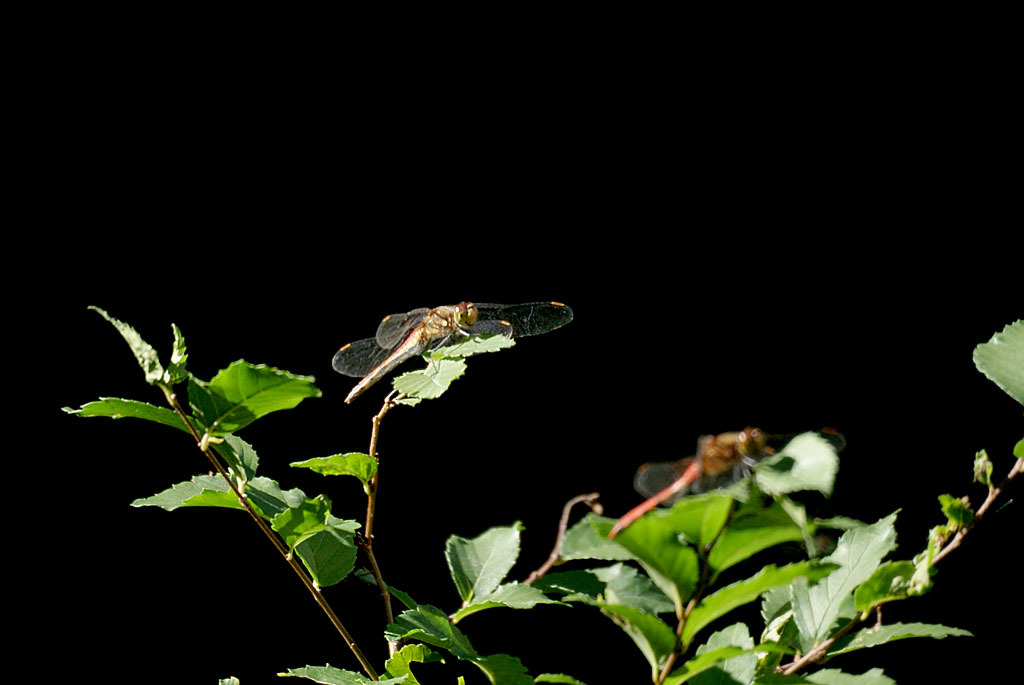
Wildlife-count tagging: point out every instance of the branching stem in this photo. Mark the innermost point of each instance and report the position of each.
(202, 443)
(590, 499)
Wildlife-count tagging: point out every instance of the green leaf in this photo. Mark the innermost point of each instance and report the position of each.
(1018, 449)
(653, 636)
(144, 353)
(329, 675)
(958, 513)
(502, 669)
(858, 553)
(807, 462)
(741, 592)
(467, 347)
(828, 676)
(479, 565)
(511, 595)
(295, 523)
(752, 532)
(581, 541)
(557, 678)
(624, 586)
(429, 624)
(431, 382)
(240, 457)
(1001, 359)
(114, 408)
(176, 371)
(243, 392)
(983, 468)
(872, 637)
(655, 542)
(890, 581)
(571, 583)
(727, 656)
(399, 664)
(329, 554)
(357, 464)
(201, 491)
(269, 499)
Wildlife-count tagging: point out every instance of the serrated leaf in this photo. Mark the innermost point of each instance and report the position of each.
(625, 586)
(872, 637)
(1001, 359)
(399, 664)
(858, 553)
(729, 656)
(201, 491)
(581, 541)
(828, 676)
(329, 675)
(892, 580)
(240, 457)
(958, 513)
(429, 624)
(557, 678)
(431, 382)
(467, 347)
(357, 464)
(479, 565)
(114, 408)
(807, 462)
(752, 532)
(144, 353)
(653, 636)
(329, 554)
(295, 523)
(655, 543)
(510, 595)
(244, 392)
(269, 499)
(983, 468)
(502, 669)
(176, 371)
(580, 582)
(742, 592)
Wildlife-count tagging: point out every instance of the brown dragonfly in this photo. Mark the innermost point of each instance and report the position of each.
(402, 336)
(720, 461)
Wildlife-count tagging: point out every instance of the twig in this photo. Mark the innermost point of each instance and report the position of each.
(371, 507)
(202, 442)
(590, 499)
(993, 493)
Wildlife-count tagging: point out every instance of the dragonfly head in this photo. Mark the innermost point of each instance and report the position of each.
(751, 442)
(465, 314)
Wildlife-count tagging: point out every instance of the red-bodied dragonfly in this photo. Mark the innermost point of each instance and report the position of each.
(402, 336)
(720, 461)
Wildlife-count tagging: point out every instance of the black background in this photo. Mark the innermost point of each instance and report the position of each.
(789, 249)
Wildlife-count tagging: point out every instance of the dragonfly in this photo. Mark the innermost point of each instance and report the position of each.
(402, 336)
(721, 460)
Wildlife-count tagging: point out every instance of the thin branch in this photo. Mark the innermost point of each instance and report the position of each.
(202, 442)
(993, 493)
(371, 507)
(590, 499)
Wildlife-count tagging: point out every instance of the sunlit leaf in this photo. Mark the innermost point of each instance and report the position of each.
(752, 532)
(329, 554)
(201, 491)
(431, 382)
(295, 523)
(144, 353)
(114, 408)
(329, 675)
(827, 676)
(557, 678)
(244, 392)
(581, 541)
(874, 636)
(400, 663)
(429, 624)
(741, 592)
(510, 595)
(357, 464)
(479, 565)
(891, 580)
(1001, 359)
(653, 636)
(503, 669)
(958, 513)
(807, 462)
(739, 668)
(858, 553)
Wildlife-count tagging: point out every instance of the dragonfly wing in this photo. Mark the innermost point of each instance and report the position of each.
(652, 478)
(359, 358)
(395, 328)
(532, 318)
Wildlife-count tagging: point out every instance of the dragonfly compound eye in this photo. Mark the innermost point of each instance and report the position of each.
(466, 313)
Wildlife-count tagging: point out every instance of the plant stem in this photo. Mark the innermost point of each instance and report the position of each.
(371, 507)
(591, 501)
(274, 539)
